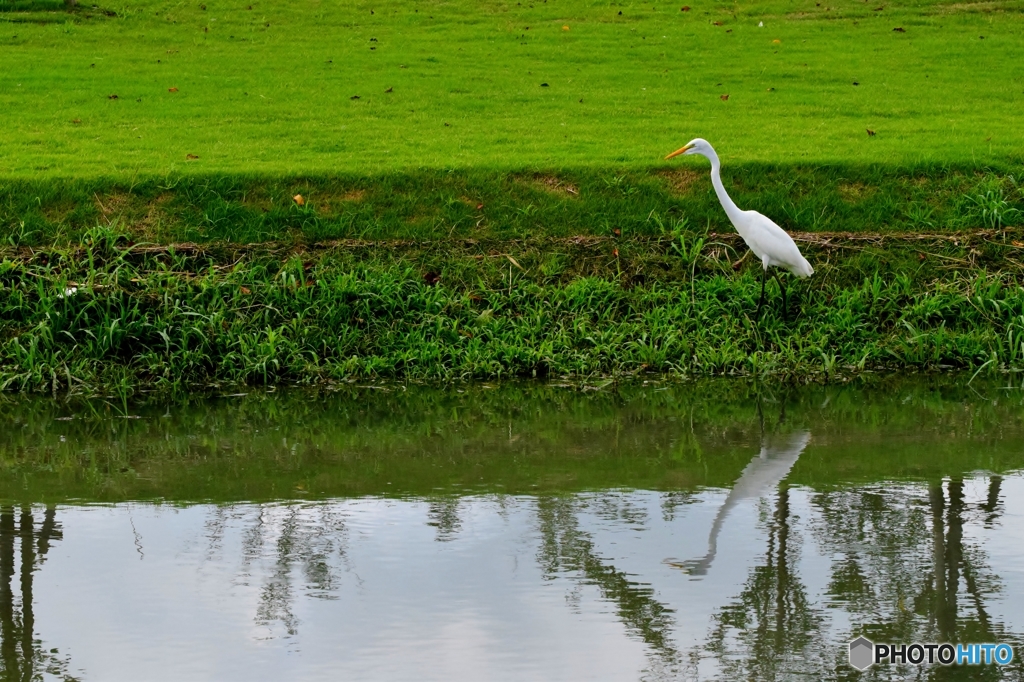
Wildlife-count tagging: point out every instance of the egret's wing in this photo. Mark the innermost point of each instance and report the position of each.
(776, 243)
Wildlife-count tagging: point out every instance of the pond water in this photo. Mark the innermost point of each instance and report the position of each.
(717, 530)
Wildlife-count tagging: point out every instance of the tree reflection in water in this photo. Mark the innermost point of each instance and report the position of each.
(297, 537)
(902, 570)
(902, 567)
(566, 548)
(23, 550)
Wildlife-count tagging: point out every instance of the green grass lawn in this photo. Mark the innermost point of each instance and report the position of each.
(371, 86)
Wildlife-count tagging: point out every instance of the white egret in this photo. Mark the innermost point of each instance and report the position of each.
(768, 241)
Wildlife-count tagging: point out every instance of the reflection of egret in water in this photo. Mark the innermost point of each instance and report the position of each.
(764, 472)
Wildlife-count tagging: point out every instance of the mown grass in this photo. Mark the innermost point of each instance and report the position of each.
(373, 86)
(140, 317)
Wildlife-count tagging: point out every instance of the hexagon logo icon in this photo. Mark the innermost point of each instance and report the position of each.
(861, 653)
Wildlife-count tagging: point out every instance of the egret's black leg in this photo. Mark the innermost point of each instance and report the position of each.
(760, 301)
(783, 289)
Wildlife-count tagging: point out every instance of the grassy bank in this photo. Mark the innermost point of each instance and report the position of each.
(268, 87)
(482, 191)
(480, 204)
(108, 316)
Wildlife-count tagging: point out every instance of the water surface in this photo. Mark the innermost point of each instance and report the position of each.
(703, 531)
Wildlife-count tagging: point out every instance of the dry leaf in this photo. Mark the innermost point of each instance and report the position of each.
(617, 232)
(716, 23)
(514, 262)
(246, 291)
(389, 90)
(565, 28)
(723, 97)
(684, 8)
(615, 252)
(172, 89)
(298, 199)
(191, 157)
(479, 206)
(777, 41)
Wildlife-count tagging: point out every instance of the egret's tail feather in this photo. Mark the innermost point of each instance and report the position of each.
(803, 268)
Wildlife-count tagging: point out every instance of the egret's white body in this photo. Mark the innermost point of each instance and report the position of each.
(768, 241)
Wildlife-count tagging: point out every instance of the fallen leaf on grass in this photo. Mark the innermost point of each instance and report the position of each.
(191, 157)
(172, 89)
(871, 133)
(684, 8)
(716, 23)
(617, 232)
(479, 206)
(565, 28)
(246, 290)
(389, 90)
(298, 199)
(777, 41)
(615, 252)
(723, 97)
(514, 262)
(76, 121)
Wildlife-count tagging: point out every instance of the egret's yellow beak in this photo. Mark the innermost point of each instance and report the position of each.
(678, 151)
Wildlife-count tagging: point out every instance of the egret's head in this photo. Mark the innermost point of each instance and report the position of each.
(695, 146)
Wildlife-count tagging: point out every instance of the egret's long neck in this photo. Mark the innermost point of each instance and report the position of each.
(731, 209)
